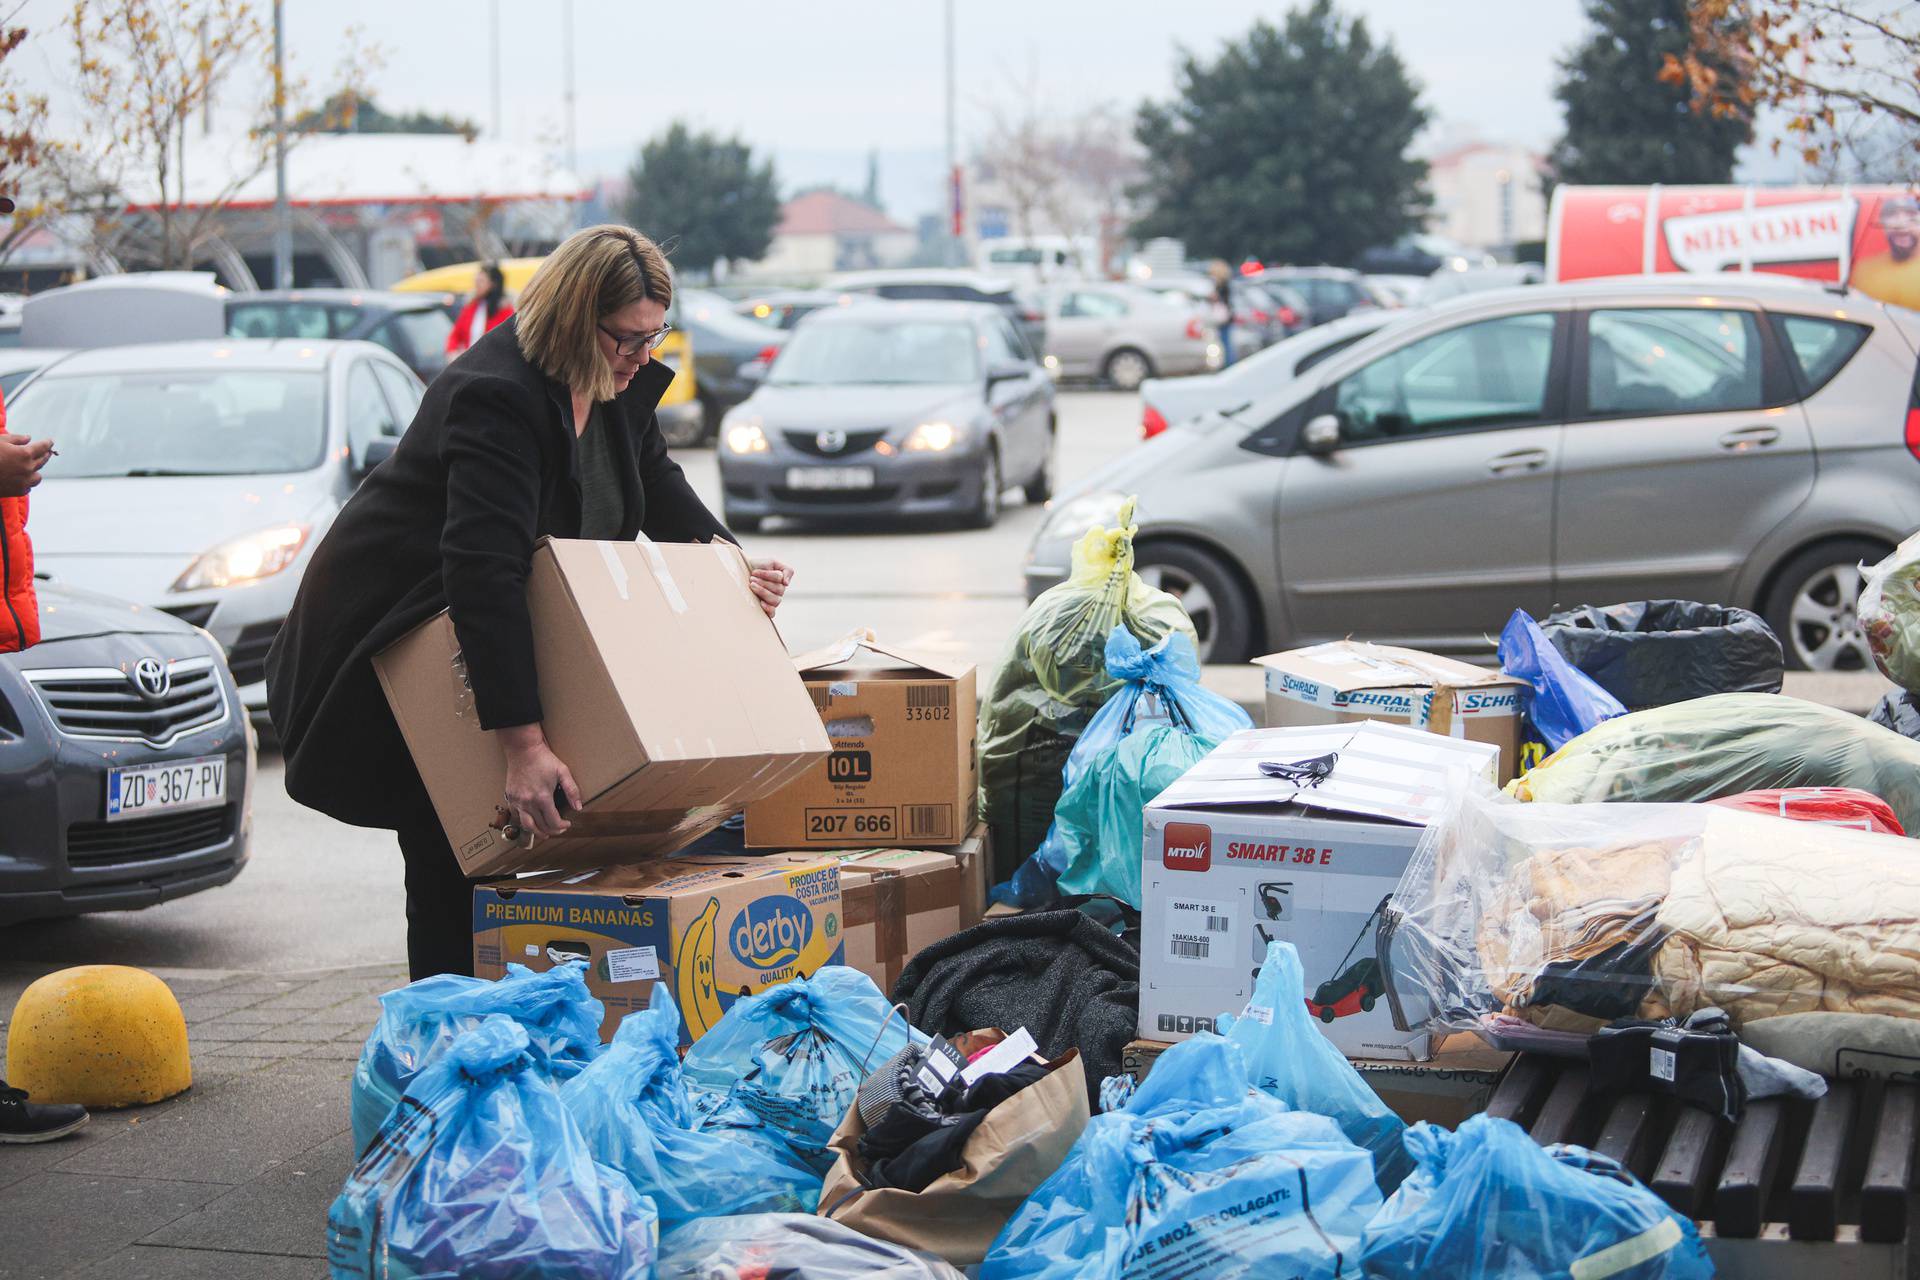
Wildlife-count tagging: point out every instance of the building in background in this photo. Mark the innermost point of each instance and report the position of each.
(821, 232)
(1488, 195)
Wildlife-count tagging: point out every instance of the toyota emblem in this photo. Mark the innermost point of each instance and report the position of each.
(152, 678)
(831, 441)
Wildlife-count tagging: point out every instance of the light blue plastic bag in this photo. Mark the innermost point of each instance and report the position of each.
(1197, 1174)
(1564, 702)
(794, 1056)
(1488, 1203)
(1099, 821)
(421, 1019)
(480, 1174)
(632, 1107)
(790, 1247)
(1159, 686)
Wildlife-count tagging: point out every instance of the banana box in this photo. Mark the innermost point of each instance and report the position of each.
(713, 933)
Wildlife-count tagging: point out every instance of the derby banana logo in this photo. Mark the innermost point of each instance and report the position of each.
(693, 972)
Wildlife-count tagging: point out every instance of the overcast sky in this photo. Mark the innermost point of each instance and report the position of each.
(819, 84)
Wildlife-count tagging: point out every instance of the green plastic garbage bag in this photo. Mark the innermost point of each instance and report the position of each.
(1890, 613)
(1720, 746)
(1099, 818)
(1053, 678)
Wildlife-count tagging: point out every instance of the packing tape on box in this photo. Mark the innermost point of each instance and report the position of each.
(615, 570)
(730, 556)
(668, 588)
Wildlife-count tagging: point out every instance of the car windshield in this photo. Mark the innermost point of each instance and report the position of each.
(924, 351)
(190, 422)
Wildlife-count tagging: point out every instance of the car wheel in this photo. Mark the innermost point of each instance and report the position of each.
(1039, 489)
(739, 523)
(1813, 606)
(1126, 369)
(986, 511)
(1209, 591)
(685, 433)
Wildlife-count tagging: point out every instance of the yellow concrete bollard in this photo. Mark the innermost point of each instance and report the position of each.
(101, 1035)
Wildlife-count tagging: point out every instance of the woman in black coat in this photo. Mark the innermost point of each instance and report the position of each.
(544, 427)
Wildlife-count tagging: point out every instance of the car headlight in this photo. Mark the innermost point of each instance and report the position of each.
(745, 436)
(934, 437)
(249, 559)
(1072, 518)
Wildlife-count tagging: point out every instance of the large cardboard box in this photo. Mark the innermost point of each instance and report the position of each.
(712, 933)
(1234, 859)
(975, 856)
(665, 690)
(902, 773)
(1349, 681)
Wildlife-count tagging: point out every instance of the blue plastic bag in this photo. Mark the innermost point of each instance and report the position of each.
(1289, 1058)
(421, 1019)
(1100, 821)
(1564, 702)
(1159, 686)
(794, 1056)
(632, 1107)
(791, 1247)
(1488, 1203)
(480, 1174)
(1196, 1174)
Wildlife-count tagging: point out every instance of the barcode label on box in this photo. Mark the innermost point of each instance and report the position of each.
(924, 820)
(633, 964)
(1662, 1064)
(1202, 930)
(1182, 947)
(820, 697)
(930, 695)
(1219, 924)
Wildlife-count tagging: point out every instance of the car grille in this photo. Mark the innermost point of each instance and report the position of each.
(835, 497)
(857, 442)
(167, 835)
(248, 657)
(102, 702)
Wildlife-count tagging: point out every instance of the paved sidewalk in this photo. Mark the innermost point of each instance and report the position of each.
(229, 1181)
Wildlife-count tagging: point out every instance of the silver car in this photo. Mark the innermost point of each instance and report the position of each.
(1166, 402)
(1124, 335)
(197, 477)
(1738, 440)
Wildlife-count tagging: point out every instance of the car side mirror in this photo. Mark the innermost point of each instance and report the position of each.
(1008, 371)
(1321, 436)
(378, 450)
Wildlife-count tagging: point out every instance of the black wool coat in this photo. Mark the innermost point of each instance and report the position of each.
(449, 522)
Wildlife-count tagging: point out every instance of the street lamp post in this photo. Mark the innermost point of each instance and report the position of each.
(282, 213)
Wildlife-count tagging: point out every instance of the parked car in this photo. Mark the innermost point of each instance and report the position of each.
(456, 278)
(196, 478)
(924, 408)
(1124, 335)
(1330, 292)
(939, 284)
(126, 763)
(1250, 330)
(785, 308)
(1719, 438)
(17, 364)
(1451, 284)
(1038, 259)
(1408, 291)
(1421, 254)
(414, 326)
(1168, 402)
(729, 353)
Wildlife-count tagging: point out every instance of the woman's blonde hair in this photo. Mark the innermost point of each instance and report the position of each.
(593, 274)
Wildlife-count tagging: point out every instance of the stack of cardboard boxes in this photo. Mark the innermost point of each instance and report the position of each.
(673, 702)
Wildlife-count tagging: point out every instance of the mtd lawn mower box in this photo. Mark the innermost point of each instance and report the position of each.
(1295, 835)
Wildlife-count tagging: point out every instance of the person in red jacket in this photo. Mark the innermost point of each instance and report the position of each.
(487, 308)
(20, 463)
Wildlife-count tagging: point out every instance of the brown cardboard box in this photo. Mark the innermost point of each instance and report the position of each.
(975, 856)
(902, 772)
(665, 689)
(894, 903)
(712, 932)
(1455, 1083)
(1351, 680)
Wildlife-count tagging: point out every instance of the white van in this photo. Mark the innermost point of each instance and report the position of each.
(1037, 259)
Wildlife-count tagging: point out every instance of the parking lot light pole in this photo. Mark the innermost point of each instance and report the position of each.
(282, 214)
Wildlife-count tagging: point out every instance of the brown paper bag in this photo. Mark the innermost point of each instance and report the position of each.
(1016, 1148)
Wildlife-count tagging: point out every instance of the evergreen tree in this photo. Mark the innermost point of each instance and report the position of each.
(704, 196)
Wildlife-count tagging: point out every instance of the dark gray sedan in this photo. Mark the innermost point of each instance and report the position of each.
(126, 761)
(908, 409)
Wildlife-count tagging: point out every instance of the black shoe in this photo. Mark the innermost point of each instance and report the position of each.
(23, 1121)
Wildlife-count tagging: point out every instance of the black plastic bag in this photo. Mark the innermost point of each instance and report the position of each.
(1650, 653)
(1898, 711)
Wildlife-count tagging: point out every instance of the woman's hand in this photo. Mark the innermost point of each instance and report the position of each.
(769, 582)
(534, 774)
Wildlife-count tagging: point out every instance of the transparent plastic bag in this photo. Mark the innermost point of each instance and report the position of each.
(1160, 689)
(480, 1174)
(633, 1110)
(1889, 610)
(1197, 1173)
(1563, 701)
(794, 1056)
(1053, 678)
(418, 1021)
(1488, 1203)
(1721, 746)
(1289, 1058)
(1836, 806)
(786, 1246)
(1570, 916)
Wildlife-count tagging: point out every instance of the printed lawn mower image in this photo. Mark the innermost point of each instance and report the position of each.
(1359, 985)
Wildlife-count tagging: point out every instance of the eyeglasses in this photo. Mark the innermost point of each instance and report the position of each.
(639, 342)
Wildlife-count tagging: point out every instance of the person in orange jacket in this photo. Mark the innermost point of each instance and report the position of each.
(20, 463)
(487, 308)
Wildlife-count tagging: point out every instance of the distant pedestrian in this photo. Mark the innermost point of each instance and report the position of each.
(487, 307)
(1221, 309)
(20, 463)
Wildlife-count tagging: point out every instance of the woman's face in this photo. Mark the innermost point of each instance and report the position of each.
(629, 322)
(481, 284)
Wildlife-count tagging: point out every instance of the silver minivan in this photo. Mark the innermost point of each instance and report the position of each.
(1734, 439)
